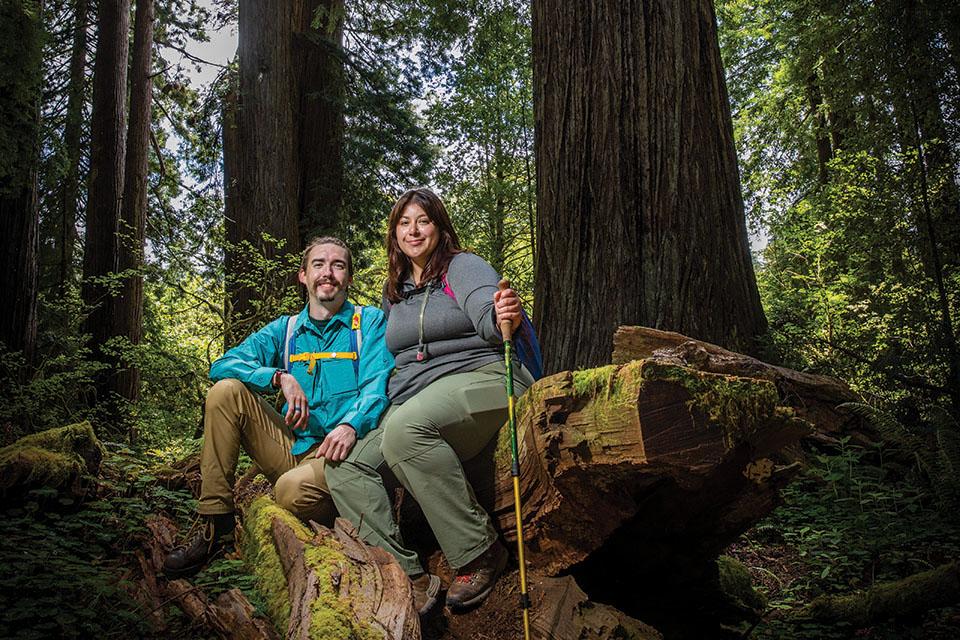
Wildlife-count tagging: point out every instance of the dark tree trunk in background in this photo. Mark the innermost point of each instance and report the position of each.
(20, 53)
(282, 141)
(318, 90)
(638, 193)
(108, 126)
(69, 193)
(128, 312)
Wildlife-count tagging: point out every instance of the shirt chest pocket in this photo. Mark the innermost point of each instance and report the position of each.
(338, 377)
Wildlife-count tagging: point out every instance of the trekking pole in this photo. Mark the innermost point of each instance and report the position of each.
(506, 329)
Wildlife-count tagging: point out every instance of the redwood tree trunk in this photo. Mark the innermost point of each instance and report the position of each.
(640, 211)
(19, 128)
(128, 312)
(282, 140)
(318, 95)
(69, 192)
(108, 126)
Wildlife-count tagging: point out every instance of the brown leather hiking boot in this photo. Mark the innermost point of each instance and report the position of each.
(426, 588)
(475, 581)
(206, 543)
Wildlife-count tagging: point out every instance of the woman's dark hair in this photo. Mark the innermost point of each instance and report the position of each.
(398, 264)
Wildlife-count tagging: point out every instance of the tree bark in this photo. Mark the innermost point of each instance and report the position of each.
(318, 92)
(640, 212)
(107, 134)
(128, 310)
(283, 143)
(69, 192)
(19, 217)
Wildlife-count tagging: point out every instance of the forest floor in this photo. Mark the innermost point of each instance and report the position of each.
(851, 521)
(68, 568)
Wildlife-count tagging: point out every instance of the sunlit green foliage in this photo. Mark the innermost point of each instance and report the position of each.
(481, 110)
(847, 126)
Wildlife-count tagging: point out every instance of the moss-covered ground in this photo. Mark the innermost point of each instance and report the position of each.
(66, 564)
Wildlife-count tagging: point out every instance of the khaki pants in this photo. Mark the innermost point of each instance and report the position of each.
(236, 417)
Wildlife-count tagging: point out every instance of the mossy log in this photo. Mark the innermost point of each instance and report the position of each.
(635, 477)
(814, 397)
(939, 587)
(59, 458)
(229, 615)
(326, 584)
(663, 460)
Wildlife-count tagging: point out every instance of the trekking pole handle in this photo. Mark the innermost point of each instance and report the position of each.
(506, 327)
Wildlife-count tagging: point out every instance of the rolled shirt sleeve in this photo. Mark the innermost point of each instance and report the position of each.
(253, 361)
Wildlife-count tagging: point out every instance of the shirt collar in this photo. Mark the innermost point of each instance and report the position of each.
(344, 317)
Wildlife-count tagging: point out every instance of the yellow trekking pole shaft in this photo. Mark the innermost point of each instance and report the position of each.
(506, 330)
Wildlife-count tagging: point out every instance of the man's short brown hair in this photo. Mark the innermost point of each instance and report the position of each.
(317, 241)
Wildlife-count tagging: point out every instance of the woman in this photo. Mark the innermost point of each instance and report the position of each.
(447, 396)
(447, 392)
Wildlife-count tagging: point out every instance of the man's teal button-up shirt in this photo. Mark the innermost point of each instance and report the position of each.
(336, 394)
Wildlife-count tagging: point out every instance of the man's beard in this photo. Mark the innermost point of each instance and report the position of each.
(327, 297)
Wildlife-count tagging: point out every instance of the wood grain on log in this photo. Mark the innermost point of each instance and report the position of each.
(648, 448)
(561, 610)
(813, 397)
(229, 616)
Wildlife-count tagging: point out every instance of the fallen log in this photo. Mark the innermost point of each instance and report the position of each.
(326, 584)
(939, 587)
(654, 453)
(57, 458)
(230, 615)
(814, 397)
(635, 477)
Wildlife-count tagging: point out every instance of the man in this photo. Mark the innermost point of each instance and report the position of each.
(333, 397)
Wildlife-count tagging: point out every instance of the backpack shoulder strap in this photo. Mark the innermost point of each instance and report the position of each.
(289, 342)
(356, 336)
(446, 287)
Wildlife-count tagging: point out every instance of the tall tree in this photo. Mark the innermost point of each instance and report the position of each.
(128, 309)
(107, 135)
(283, 140)
(638, 194)
(21, 35)
(69, 191)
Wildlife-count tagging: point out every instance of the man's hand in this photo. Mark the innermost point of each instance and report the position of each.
(506, 302)
(298, 409)
(338, 443)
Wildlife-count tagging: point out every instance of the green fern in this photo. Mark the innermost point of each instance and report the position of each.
(940, 461)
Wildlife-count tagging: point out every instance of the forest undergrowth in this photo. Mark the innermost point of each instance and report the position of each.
(855, 517)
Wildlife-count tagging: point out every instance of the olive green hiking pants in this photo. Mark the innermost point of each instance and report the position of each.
(235, 417)
(425, 441)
